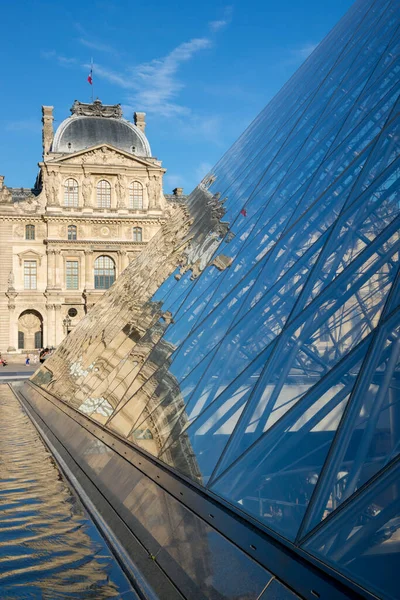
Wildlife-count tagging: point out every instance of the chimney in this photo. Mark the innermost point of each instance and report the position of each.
(47, 131)
(138, 119)
(177, 191)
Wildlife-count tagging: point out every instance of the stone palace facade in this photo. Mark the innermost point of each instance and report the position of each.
(97, 201)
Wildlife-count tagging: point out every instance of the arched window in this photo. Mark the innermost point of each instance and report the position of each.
(104, 272)
(72, 232)
(29, 232)
(103, 194)
(136, 195)
(137, 234)
(71, 192)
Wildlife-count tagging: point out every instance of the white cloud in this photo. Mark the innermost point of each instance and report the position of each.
(303, 52)
(206, 127)
(217, 25)
(114, 77)
(96, 45)
(65, 61)
(295, 56)
(221, 23)
(155, 84)
(202, 170)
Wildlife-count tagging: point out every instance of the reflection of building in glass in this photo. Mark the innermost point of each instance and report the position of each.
(264, 365)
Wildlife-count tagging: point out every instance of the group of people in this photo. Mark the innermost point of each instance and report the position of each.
(43, 354)
(34, 358)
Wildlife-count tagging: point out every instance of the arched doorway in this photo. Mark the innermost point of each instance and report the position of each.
(30, 330)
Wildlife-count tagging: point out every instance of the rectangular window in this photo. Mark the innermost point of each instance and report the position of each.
(72, 275)
(30, 274)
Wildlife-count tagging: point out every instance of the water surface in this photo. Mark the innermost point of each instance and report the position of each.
(49, 547)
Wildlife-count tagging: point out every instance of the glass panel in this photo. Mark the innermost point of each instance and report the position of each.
(362, 540)
(277, 591)
(196, 445)
(71, 193)
(333, 330)
(136, 195)
(30, 274)
(72, 232)
(72, 274)
(30, 232)
(137, 234)
(370, 437)
(204, 564)
(103, 194)
(276, 478)
(104, 272)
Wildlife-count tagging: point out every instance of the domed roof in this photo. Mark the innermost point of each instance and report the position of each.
(93, 124)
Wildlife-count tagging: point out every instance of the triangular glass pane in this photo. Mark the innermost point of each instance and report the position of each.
(204, 437)
(334, 329)
(276, 478)
(370, 437)
(362, 540)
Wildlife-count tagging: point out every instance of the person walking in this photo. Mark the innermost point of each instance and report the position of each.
(27, 360)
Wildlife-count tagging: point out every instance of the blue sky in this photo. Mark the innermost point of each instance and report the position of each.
(200, 70)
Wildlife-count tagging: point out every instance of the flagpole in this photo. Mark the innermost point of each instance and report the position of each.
(91, 62)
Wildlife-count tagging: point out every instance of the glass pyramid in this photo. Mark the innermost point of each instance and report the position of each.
(266, 367)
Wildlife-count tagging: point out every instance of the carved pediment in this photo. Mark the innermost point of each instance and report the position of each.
(102, 155)
(30, 255)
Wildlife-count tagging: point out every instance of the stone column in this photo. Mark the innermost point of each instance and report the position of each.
(12, 315)
(57, 269)
(124, 260)
(45, 330)
(114, 199)
(13, 327)
(50, 269)
(58, 326)
(89, 275)
(49, 339)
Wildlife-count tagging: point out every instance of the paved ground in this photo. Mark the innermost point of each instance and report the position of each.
(14, 371)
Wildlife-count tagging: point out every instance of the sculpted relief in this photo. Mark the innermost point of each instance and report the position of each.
(5, 195)
(101, 156)
(18, 231)
(154, 192)
(120, 191)
(87, 187)
(52, 188)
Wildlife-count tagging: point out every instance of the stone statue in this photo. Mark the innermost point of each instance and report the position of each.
(154, 191)
(11, 281)
(120, 191)
(52, 188)
(5, 195)
(87, 190)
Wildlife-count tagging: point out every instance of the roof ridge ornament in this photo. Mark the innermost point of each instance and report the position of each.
(96, 109)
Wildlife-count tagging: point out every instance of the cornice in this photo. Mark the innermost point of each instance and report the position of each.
(117, 219)
(27, 217)
(85, 243)
(157, 220)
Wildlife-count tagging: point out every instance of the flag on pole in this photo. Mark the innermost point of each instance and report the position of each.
(90, 76)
